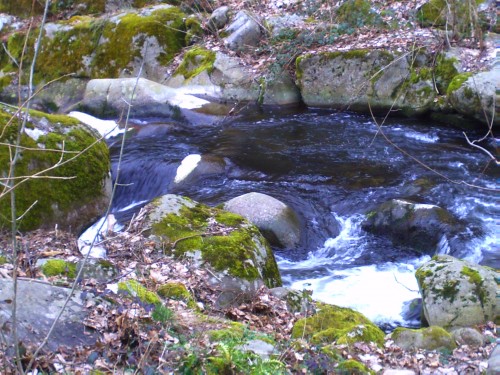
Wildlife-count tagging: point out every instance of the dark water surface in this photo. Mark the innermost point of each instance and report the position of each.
(332, 168)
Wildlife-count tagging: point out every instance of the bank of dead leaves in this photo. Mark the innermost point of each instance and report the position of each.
(130, 338)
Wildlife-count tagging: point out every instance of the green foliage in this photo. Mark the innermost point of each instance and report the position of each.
(162, 314)
(357, 13)
(461, 17)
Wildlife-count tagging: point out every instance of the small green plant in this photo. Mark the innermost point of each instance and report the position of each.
(162, 314)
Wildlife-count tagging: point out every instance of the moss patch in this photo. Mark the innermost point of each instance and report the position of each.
(457, 82)
(333, 323)
(176, 291)
(135, 289)
(59, 267)
(55, 198)
(195, 61)
(236, 331)
(352, 366)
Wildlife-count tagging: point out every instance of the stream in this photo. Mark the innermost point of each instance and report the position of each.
(332, 168)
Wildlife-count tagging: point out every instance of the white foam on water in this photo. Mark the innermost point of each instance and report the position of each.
(106, 128)
(188, 164)
(87, 238)
(132, 205)
(422, 137)
(378, 292)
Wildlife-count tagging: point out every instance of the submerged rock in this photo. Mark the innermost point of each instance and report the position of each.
(239, 256)
(421, 226)
(457, 293)
(277, 221)
(77, 188)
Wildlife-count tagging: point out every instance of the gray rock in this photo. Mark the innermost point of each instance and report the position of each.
(219, 18)
(421, 226)
(263, 349)
(107, 97)
(278, 23)
(468, 336)
(457, 293)
(494, 362)
(244, 32)
(475, 96)
(280, 89)
(296, 301)
(38, 304)
(277, 221)
(362, 79)
(430, 338)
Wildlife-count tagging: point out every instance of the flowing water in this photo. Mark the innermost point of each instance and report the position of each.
(332, 168)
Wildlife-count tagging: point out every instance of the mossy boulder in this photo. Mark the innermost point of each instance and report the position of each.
(457, 293)
(137, 290)
(337, 324)
(362, 79)
(224, 241)
(72, 194)
(430, 338)
(421, 226)
(474, 96)
(105, 47)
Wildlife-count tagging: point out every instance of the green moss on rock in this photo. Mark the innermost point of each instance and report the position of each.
(235, 332)
(352, 366)
(444, 72)
(195, 61)
(76, 182)
(135, 289)
(333, 323)
(457, 82)
(59, 267)
(177, 291)
(3, 259)
(241, 251)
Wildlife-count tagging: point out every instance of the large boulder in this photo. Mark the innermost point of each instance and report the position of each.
(362, 79)
(75, 189)
(38, 303)
(474, 95)
(457, 293)
(143, 40)
(421, 226)
(227, 78)
(333, 324)
(110, 97)
(239, 256)
(277, 221)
